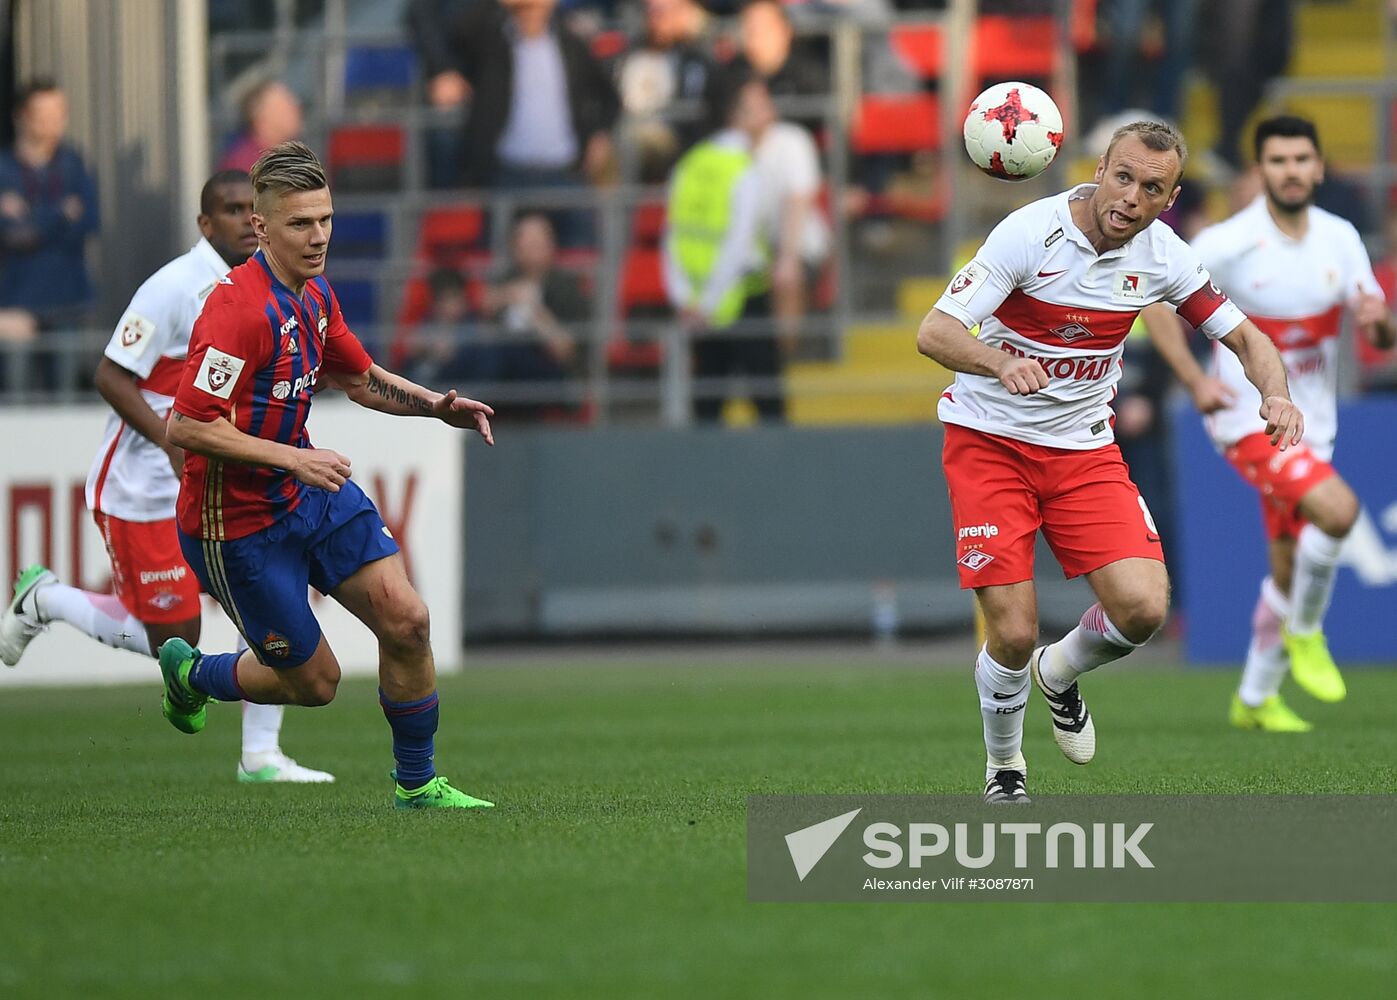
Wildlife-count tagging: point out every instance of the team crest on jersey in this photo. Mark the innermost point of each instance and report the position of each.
(975, 560)
(321, 326)
(135, 334)
(218, 375)
(966, 283)
(1128, 288)
(1072, 331)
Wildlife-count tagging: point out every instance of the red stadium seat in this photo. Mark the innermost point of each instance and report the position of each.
(642, 279)
(450, 235)
(897, 123)
(366, 157)
(1005, 47)
(648, 223)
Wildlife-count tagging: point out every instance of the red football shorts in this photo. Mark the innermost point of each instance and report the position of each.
(1004, 491)
(152, 580)
(1281, 477)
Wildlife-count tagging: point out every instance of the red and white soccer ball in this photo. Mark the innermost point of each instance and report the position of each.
(1013, 131)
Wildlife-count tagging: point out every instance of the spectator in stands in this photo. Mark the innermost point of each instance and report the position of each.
(48, 208)
(669, 63)
(1255, 38)
(1123, 60)
(446, 88)
(440, 348)
(716, 262)
(793, 224)
(770, 50)
(271, 114)
(1378, 369)
(533, 304)
(542, 106)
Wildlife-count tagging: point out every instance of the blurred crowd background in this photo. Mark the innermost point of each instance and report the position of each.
(502, 171)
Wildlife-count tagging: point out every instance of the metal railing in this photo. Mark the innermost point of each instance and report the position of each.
(670, 390)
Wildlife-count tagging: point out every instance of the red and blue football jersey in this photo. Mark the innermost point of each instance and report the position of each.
(254, 357)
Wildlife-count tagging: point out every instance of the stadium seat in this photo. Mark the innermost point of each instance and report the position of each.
(896, 123)
(451, 236)
(376, 72)
(361, 235)
(642, 280)
(648, 223)
(358, 302)
(1005, 47)
(366, 157)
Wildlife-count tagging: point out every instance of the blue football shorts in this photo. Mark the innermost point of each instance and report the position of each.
(261, 578)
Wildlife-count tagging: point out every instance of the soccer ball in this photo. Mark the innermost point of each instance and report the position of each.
(1013, 131)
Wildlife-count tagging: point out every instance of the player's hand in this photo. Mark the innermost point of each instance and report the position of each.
(1284, 421)
(321, 467)
(176, 456)
(1212, 394)
(468, 414)
(1368, 308)
(1022, 376)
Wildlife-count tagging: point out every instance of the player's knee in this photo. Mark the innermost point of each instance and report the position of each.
(1011, 643)
(315, 683)
(1338, 517)
(408, 630)
(1142, 614)
(318, 691)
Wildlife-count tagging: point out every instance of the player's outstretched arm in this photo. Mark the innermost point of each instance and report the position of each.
(1171, 342)
(945, 340)
(1264, 369)
(382, 390)
(219, 439)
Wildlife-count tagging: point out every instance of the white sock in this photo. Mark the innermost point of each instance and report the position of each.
(1316, 559)
(1003, 715)
(1094, 642)
(1266, 659)
(261, 726)
(101, 616)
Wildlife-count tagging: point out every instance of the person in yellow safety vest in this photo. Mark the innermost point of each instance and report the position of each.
(716, 262)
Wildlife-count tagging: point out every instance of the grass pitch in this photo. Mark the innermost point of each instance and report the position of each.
(132, 865)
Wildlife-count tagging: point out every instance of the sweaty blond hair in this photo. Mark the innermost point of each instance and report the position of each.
(287, 166)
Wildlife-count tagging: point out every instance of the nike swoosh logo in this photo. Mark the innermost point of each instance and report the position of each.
(1005, 697)
(1051, 274)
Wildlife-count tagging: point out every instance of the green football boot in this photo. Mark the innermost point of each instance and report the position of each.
(1312, 666)
(185, 708)
(435, 794)
(1272, 716)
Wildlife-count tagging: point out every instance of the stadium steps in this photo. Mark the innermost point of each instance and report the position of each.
(880, 380)
(1340, 41)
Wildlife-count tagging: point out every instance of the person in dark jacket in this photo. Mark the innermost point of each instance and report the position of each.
(542, 107)
(48, 208)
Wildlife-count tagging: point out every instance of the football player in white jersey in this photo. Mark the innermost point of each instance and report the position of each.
(1028, 428)
(133, 483)
(1296, 270)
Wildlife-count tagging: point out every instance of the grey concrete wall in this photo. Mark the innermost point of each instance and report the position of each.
(769, 530)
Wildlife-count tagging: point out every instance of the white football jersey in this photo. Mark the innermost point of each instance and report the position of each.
(131, 478)
(1038, 289)
(1296, 291)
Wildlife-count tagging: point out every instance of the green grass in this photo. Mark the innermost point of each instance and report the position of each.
(131, 864)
